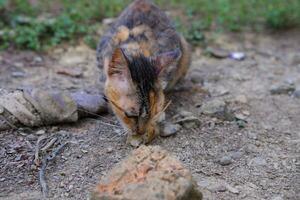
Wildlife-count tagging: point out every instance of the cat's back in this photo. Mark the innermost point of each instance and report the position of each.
(142, 26)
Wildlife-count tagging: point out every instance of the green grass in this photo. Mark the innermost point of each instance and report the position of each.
(49, 23)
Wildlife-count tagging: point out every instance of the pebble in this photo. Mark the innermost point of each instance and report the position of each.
(241, 116)
(217, 187)
(220, 91)
(109, 150)
(282, 89)
(196, 77)
(236, 155)
(216, 108)
(277, 198)
(170, 129)
(297, 93)
(19, 65)
(238, 55)
(295, 60)
(40, 132)
(217, 52)
(232, 189)
(1, 110)
(225, 160)
(241, 99)
(252, 135)
(37, 59)
(257, 161)
(18, 74)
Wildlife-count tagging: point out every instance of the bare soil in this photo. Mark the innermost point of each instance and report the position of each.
(261, 158)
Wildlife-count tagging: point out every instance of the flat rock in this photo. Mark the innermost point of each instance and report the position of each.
(283, 88)
(170, 129)
(216, 108)
(149, 172)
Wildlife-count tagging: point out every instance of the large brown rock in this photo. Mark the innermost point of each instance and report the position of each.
(149, 173)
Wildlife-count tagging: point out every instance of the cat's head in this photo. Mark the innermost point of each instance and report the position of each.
(134, 89)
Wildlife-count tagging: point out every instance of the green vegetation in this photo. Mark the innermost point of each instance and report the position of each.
(48, 23)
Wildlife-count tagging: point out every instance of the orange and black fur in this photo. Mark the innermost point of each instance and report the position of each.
(141, 56)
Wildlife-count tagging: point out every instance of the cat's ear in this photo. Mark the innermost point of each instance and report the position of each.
(163, 60)
(118, 63)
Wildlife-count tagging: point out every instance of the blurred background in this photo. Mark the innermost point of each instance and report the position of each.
(40, 24)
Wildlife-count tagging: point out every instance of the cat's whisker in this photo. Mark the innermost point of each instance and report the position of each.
(96, 115)
(162, 111)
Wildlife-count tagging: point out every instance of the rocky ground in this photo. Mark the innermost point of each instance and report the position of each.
(234, 123)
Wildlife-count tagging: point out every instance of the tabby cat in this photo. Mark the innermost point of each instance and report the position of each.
(142, 56)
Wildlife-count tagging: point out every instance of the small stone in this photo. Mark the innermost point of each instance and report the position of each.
(238, 55)
(216, 108)
(149, 172)
(2, 179)
(282, 89)
(18, 74)
(217, 52)
(19, 65)
(241, 123)
(37, 59)
(219, 91)
(225, 160)
(109, 150)
(108, 21)
(216, 187)
(240, 116)
(170, 129)
(241, 99)
(1, 110)
(297, 93)
(84, 151)
(252, 135)
(232, 189)
(196, 77)
(40, 132)
(295, 60)
(184, 113)
(277, 198)
(70, 187)
(236, 155)
(257, 161)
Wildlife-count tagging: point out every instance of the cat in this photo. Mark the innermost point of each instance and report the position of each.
(142, 56)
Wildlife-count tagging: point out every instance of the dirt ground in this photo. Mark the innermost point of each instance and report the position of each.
(258, 159)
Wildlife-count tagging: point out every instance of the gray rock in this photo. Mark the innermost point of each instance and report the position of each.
(277, 198)
(297, 93)
(232, 189)
(236, 155)
(252, 135)
(241, 99)
(219, 91)
(196, 77)
(225, 160)
(217, 52)
(283, 88)
(257, 161)
(187, 119)
(295, 59)
(238, 55)
(18, 74)
(170, 129)
(217, 108)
